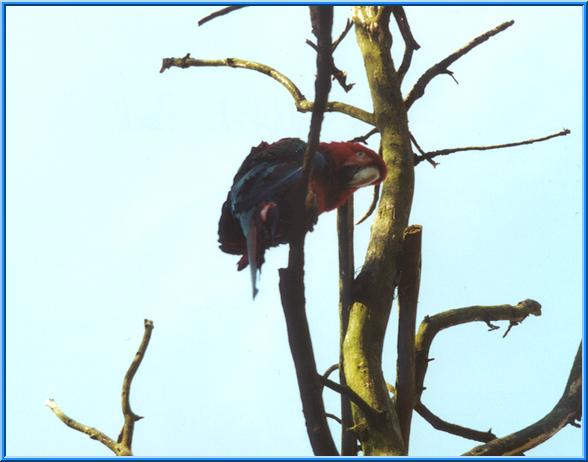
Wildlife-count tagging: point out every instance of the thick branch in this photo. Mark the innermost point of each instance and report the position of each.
(222, 12)
(123, 446)
(432, 325)
(292, 277)
(408, 295)
(410, 44)
(444, 426)
(442, 66)
(300, 101)
(566, 411)
(443, 152)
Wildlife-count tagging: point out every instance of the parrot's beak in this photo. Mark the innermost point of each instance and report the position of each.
(361, 175)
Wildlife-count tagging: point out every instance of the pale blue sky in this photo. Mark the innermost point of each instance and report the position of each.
(116, 175)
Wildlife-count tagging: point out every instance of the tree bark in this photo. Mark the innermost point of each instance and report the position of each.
(374, 287)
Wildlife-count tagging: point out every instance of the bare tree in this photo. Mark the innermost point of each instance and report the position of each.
(375, 415)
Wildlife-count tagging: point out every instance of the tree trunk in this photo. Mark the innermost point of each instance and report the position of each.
(375, 284)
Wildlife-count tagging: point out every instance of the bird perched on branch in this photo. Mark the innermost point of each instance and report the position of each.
(268, 190)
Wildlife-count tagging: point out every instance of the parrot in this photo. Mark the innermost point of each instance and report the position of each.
(258, 211)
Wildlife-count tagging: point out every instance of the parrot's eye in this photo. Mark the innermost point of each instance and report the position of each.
(360, 154)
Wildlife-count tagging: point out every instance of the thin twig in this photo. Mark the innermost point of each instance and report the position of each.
(334, 417)
(339, 39)
(442, 425)
(568, 409)
(417, 159)
(443, 152)
(410, 44)
(221, 12)
(330, 370)
(369, 411)
(363, 138)
(339, 75)
(300, 101)
(442, 66)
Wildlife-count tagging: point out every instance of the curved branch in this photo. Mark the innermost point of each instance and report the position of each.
(432, 325)
(442, 66)
(444, 426)
(300, 101)
(126, 434)
(567, 410)
(410, 44)
(428, 156)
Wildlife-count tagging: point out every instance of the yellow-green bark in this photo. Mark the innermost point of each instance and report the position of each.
(375, 284)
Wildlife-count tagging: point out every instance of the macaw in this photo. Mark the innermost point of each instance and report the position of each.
(259, 205)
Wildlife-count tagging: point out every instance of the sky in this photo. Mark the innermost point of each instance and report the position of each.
(116, 175)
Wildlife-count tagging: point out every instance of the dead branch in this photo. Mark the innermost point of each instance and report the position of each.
(300, 101)
(423, 153)
(410, 44)
(348, 27)
(330, 370)
(334, 417)
(126, 434)
(292, 278)
(93, 433)
(441, 67)
(444, 426)
(339, 75)
(346, 278)
(567, 410)
(363, 138)
(443, 152)
(344, 390)
(432, 325)
(123, 446)
(408, 295)
(222, 12)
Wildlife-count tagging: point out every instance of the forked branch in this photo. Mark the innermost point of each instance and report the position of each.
(442, 67)
(123, 446)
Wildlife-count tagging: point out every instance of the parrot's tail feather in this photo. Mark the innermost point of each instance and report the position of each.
(253, 249)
